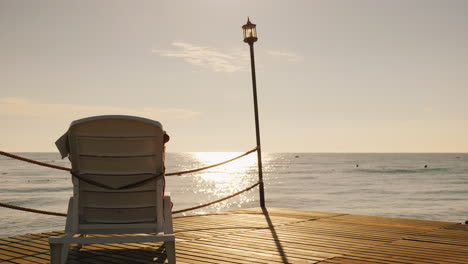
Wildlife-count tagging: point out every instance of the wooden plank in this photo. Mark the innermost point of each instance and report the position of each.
(389, 221)
(283, 235)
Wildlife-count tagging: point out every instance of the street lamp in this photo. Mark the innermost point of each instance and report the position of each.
(250, 36)
(250, 32)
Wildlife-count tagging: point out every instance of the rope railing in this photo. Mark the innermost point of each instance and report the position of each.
(173, 212)
(34, 161)
(30, 209)
(167, 174)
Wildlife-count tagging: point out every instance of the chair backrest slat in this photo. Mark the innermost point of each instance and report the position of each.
(118, 146)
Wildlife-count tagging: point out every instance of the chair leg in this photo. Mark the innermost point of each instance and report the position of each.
(58, 253)
(170, 251)
(64, 256)
(55, 253)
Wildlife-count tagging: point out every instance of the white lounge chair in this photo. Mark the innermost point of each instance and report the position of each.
(118, 184)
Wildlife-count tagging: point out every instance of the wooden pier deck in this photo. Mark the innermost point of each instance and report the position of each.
(273, 236)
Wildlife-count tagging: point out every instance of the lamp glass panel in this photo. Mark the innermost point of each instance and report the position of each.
(249, 33)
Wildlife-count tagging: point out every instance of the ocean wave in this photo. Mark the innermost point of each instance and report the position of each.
(364, 191)
(303, 172)
(403, 171)
(443, 192)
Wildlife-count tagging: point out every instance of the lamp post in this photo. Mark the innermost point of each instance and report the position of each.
(250, 36)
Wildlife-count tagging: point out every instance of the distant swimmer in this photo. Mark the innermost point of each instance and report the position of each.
(296, 156)
(425, 166)
(357, 165)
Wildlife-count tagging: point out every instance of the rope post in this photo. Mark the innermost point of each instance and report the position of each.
(250, 36)
(257, 128)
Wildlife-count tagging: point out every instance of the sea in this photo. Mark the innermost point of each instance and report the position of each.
(405, 185)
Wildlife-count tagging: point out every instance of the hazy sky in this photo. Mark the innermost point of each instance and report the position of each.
(332, 76)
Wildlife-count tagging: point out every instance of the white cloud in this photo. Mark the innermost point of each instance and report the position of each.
(24, 107)
(287, 55)
(218, 61)
(206, 57)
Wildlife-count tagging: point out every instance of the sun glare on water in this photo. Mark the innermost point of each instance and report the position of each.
(218, 182)
(227, 178)
(234, 168)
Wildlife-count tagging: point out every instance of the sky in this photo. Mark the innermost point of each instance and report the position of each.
(332, 76)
